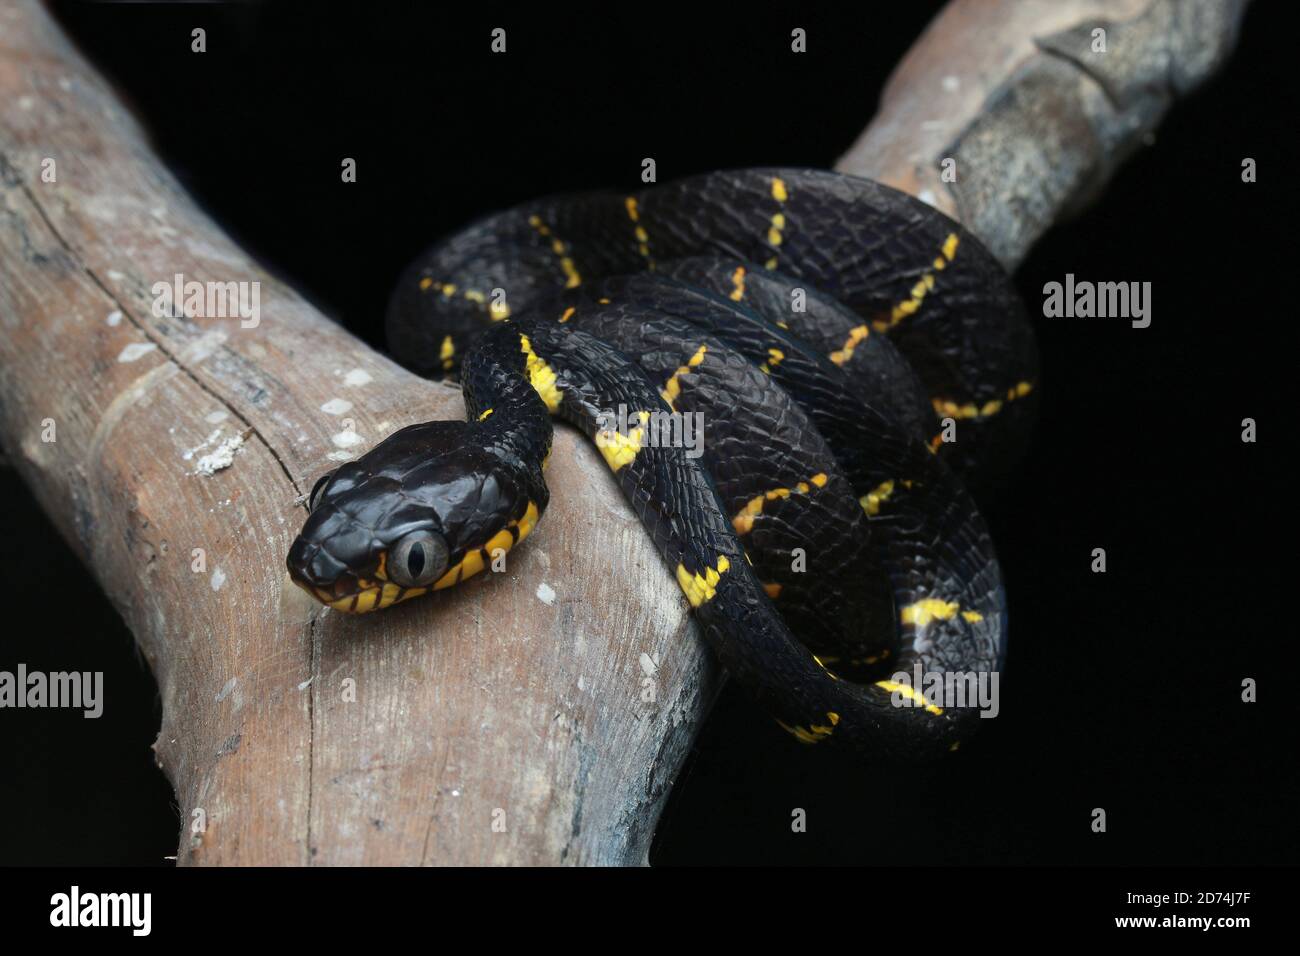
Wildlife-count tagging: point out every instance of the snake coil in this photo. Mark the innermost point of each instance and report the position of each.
(794, 376)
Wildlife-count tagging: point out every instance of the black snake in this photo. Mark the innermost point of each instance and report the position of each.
(856, 359)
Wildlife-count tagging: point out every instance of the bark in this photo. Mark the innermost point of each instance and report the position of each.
(1034, 116)
(533, 717)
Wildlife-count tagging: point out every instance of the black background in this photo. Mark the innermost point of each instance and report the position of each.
(1121, 690)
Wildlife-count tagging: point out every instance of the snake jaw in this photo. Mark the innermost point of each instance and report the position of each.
(355, 595)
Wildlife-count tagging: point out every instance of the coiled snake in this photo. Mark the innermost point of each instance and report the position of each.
(855, 359)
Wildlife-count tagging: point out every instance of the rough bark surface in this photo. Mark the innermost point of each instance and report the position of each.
(1033, 113)
(297, 735)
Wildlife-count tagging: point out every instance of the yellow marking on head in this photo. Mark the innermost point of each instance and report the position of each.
(568, 313)
(389, 595)
(448, 290)
(370, 597)
(771, 264)
(672, 388)
(474, 561)
(738, 281)
(410, 593)
(632, 211)
(447, 353)
(620, 450)
(471, 564)
(773, 590)
(498, 311)
(974, 617)
(503, 540)
(541, 376)
(529, 521)
(425, 284)
(453, 574)
(845, 352)
(743, 522)
(926, 610)
(873, 499)
(778, 190)
(485, 414)
(950, 247)
(346, 605)
(475, 296)
(699, 588)
(911, 693)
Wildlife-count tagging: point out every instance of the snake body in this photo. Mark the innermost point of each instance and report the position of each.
(832, 336)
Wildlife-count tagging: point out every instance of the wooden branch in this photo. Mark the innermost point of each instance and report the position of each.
(1034, 117)
(496, 695)
(556, 701)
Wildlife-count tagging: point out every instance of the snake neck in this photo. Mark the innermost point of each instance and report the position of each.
(508, 414)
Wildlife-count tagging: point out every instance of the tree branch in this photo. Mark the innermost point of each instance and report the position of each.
(1035, 117)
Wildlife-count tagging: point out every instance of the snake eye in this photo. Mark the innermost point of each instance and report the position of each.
(318, 490)
(420, 558)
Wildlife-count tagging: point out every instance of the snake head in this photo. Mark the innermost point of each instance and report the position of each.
(422, 510)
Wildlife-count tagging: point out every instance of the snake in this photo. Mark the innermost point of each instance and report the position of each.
(802, 382)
